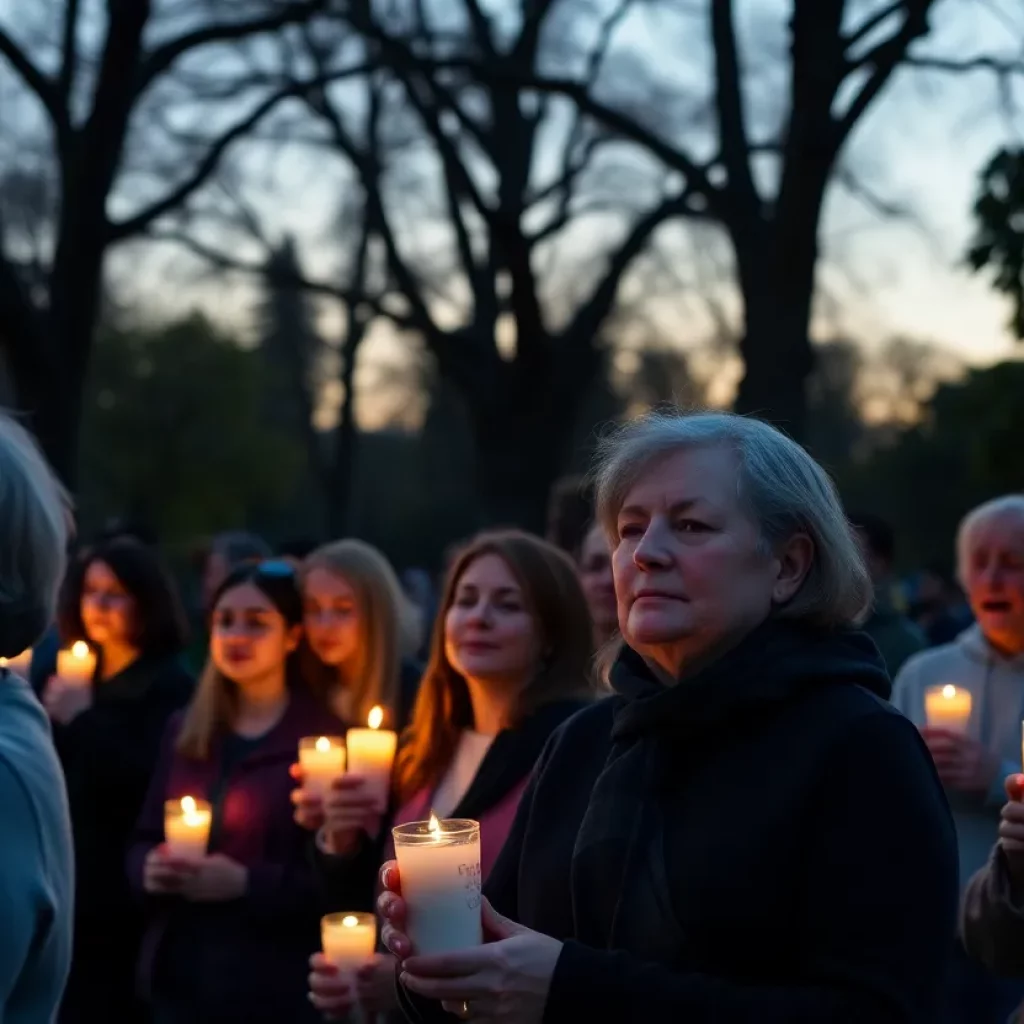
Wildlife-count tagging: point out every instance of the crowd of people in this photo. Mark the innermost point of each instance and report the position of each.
(692, 723)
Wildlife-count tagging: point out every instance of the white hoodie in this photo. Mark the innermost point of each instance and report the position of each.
(996, 684)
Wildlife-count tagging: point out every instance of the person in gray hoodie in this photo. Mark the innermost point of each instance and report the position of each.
(986, 661)
(36, 861)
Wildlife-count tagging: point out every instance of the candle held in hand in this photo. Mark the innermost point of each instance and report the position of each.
(187, 827)
(77, 665)
(371, 752)
(322, 759)
(947, 707)
(349, 939)
(439, 864)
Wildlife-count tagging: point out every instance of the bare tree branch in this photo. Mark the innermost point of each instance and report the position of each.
(870, 24)
(966, 65)
(732, 129)
(69, 52)
(161, 58)
(39, 84)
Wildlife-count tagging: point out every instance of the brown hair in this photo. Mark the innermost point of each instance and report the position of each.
(384, 625)
(553, 596)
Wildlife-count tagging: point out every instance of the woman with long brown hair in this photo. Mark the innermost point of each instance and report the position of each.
(228, 933)
(510, 661)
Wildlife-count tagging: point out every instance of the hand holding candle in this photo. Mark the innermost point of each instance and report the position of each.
(439, 864)
(371, 752)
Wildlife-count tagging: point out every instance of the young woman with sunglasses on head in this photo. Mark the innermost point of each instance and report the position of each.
(229, 934)
(120, 599)
(510, 661)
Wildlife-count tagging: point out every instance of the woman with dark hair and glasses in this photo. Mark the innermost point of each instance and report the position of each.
(119, 597)
(228, 935)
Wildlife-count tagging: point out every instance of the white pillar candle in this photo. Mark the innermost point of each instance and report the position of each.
(349, 939)
(20, 665)
(946, 707)
(187, 827)
(371, 752)
(77, 665)
(322, 759)
(439, 865)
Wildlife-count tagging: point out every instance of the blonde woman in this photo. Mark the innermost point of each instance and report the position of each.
(359, 628)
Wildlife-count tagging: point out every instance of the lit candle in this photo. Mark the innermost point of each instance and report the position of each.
(371, 753)
(349, 939)
(322, 759)
(20, 665)
(187, 827)
(76, 666)
(946, 707)
(439, 864)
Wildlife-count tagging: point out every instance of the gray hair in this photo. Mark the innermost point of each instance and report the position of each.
(785, 490)
(35, 524)
(1008, 506)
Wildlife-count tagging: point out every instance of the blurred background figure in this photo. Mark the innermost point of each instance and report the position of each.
(986, 661)
(360, 633)
(421, 593)
(121, 600)
(36, 853)
(938, 606)
(595, 569)
(894, 634)
(570, 513)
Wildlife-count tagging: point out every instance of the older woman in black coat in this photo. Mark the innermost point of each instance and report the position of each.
(745, 831)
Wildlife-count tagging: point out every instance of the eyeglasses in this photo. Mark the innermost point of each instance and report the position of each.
(276, 568)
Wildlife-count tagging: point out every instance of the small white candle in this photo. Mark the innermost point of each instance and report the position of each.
(20, 665)
(371, 753)
(187, 827)
(322, 759)
(349, 939)
(946, 707)
(76, 666)
(439, 864)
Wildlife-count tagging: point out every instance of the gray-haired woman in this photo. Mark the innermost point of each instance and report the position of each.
(745, 831)
(36, 861)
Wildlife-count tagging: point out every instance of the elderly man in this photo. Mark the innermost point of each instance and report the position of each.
(987, 661)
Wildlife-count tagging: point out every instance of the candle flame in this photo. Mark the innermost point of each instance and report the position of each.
(375, 718)
(949, 692)
(80, 649)
(188, 805)
(434, 826)
(323, 744)
(350, 921)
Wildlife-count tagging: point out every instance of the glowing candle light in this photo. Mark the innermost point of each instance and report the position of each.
(947, 707)
(76, 666)
(439, 864)
(187, 827)
(371, 752)
(349, 939)
(322, 759)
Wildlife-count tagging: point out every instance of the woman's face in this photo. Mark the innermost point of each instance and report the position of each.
(331, 616)
(490, 636)
(598, 582)
(249, 638)
(108, 610)
(689, 571)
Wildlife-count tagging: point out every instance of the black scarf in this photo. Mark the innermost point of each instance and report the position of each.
(656, 730)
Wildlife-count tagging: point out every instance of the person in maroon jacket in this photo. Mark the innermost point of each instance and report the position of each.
(228, 936)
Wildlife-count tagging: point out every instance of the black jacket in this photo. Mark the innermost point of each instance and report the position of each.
(766, 842)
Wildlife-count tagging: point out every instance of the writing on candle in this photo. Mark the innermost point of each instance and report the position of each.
(474, 889)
